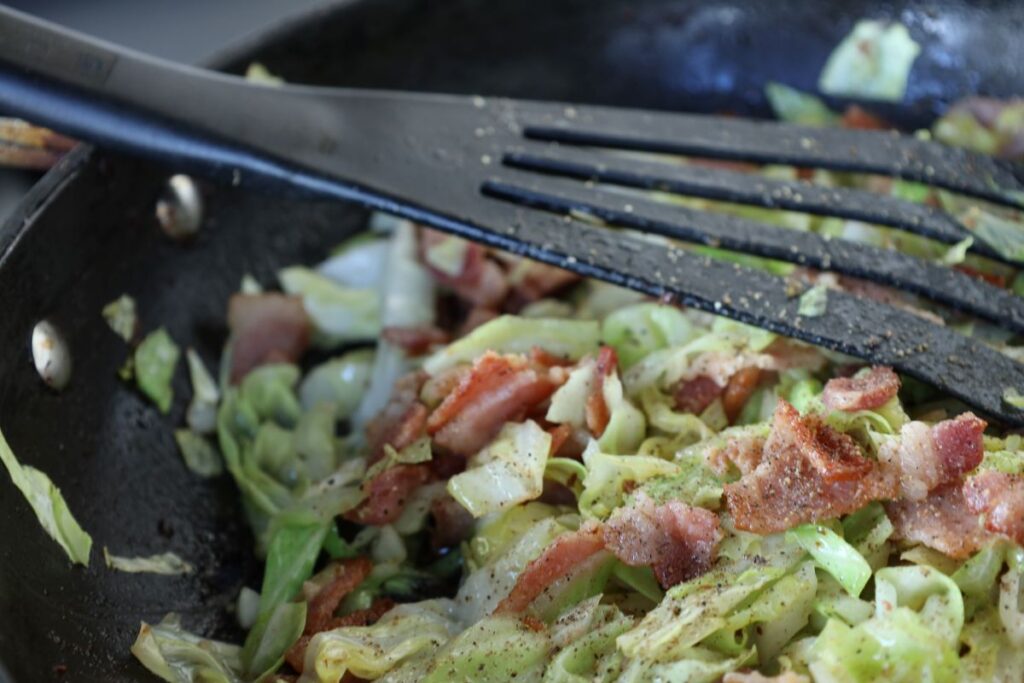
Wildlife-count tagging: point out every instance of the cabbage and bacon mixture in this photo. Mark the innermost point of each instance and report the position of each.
(531, 477)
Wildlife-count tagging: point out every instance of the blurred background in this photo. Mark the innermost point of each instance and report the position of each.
(187, 31)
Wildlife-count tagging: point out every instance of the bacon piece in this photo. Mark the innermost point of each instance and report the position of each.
(548, 359)
(596, 410)
(535, 280)
(415, 340)
(926, 456)
(1000, 497)
(403, 419)
(677, 541)
(387, 493)
(560, 434)
(742, 452)
(266, 328)
(497, 389)
(737, 392)
(941, 521)
(871, 390)
(695, 395)
(348, 574)
(991, 278)
(856, 116)
(452, 523)
(479, 280)
(558, 559)
(296, 655)
(808, 472)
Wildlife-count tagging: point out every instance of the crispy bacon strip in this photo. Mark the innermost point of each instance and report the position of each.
(695, 395)
(560, 434)
(942, 521)
(498, 389)
(479, 281)
(677, 541)
(266, 328)
(536, 280)
(1000, 497)
(808, 472)
(738, 391)
(869, 391)
(348, 574)
(927, 456)
(387, 493)
(557, 560)
(403, 420)
(597, 411)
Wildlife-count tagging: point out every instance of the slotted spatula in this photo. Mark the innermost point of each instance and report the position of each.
(516, 175)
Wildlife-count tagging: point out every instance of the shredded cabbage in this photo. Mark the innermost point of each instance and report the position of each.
(834, 555)
(340, 382)
(199, 454)
(872, 62)
(155, 360)
(339, 313)
(49, 506)
(177, 656)
(608, 477)
(794, 106)
(202, 411)
(121, 317)
(164, 563)
(509, 471)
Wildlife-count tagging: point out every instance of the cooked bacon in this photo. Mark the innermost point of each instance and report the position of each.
(991, 278)
(871, 390)
(387, 493)
(403, 419)
(498, 389)
(560, 434)
(556, 494)
(452, 523)
(266, 328)
(296, 655)
(558, 559)
(535, 280)
(417, 339)
(548, 359)
(941, 521)
(927, 456)
(677, 541)
(1000, 497)
(808, 472)
(348, 574)
(597, 412)
(856, 116)
(695, 395)
(479, 281)
(739, 389)
(742, 452)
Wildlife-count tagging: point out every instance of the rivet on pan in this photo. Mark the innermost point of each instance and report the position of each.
(50, 354)
(180, 208)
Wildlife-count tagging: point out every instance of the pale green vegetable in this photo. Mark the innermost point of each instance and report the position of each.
(496, 533)
(913, 635)
(834, 555)
(591, 656)
(360, 262)
(608, 477)
(177, 656)
(49, 506)
(1002, 233)
(293, 550)
(257, 73)
(694, 484)
(691, 612)
(406, 299)
(121, 316)
(271, 637)
(269, 391)
(813, 302)
(448, 255)
(793, 106)
(1011, 611)
(372, 651)
(250, 285)
(339, 314)
(571, 339)
(493, 650)
(1013, 397)
(693, 665)
(247, 607)
(569, 402)
(155, 360)
(202, 411)
(872, 62)
(626, 424)
(635, 331)
(340, 382)
(165, 563)
(957, 253)
(199, 454)
(509, 471)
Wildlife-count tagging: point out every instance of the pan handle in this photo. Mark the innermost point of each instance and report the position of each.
(195, 120)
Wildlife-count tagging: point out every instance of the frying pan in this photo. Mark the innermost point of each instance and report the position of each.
(87, 233)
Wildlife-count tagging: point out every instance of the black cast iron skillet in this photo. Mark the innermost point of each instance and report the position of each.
(87, 233)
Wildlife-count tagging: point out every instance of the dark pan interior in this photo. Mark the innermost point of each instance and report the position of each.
(87, 234)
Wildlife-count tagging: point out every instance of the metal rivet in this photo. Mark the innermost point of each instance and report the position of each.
(50, 354)
(180, 208)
